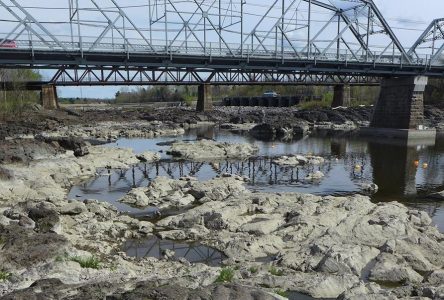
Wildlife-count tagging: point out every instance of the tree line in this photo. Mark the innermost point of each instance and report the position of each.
(188, 94)
(16, 100)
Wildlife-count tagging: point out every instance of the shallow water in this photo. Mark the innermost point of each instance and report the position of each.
(397, 169)
(299, 296)
(192, 252)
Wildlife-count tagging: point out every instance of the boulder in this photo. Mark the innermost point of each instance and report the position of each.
(73, 208)
(137, 197)
(390, 269)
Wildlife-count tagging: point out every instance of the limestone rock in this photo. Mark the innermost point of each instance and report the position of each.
(390, 269)
(437, 196)
(315, 176)
(370, 188)
(137, 197)
(148, 156)
(73, 208)
(207, 149)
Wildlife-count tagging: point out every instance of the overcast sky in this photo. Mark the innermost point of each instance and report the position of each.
(407, 17)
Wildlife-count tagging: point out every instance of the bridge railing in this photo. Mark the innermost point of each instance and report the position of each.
(216, 49)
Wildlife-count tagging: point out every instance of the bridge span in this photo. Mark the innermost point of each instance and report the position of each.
(221, 42)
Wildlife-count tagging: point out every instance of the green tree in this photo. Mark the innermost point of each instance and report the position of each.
(16, 100)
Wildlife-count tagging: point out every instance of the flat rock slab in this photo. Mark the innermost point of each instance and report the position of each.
(207, 149)
(24, 247)
(55, 289)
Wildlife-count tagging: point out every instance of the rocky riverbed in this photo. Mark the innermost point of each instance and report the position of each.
(323, 246)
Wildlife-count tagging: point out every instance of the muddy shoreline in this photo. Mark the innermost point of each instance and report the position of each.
(326, 247)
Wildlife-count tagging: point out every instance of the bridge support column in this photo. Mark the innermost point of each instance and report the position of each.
(401, 103)
(341, 96)
(204, 101)
(48, 97)
(399, 111)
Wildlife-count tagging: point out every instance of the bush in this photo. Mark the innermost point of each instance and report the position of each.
(4, 276)
(226, 275)
(87, 262)
(281, 293)
(276, 272)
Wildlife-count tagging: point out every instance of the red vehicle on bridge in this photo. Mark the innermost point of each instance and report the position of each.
(7, 43)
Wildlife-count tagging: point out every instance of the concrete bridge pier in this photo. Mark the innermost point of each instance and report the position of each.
(204, 99)
(341, 96)
(399, 111)
(48, 96)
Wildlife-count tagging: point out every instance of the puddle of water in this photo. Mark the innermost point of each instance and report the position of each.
(299, 296)
(192, 252)
(398, 170)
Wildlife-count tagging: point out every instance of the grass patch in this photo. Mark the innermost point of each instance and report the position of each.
(281, 293)
(308, 105)
(253, 270)
(4, 276)
(276, 272)
(226, 275)
(87, 262)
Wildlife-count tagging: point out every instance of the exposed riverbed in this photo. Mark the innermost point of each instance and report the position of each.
(406, 174)
(167, 212)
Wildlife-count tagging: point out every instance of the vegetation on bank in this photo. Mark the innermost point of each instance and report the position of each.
(314, 96)
(434, 91)
(282, 293)
(14, 102)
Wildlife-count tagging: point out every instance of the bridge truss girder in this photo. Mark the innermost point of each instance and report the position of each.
(237, 28)
(188, 76)
(428, 41)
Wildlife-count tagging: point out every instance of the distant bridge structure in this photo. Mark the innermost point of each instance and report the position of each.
(214, 42)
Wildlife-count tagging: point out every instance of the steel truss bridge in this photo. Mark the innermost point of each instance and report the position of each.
(115, 42)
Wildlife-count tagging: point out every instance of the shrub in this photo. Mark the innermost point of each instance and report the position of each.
(87, 262)
(226, 275)
(4, 276)
(281, 293)
(276, 272)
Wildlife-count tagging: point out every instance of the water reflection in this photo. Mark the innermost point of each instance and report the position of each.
(404, 173)
(299, 296)
(394, 169)
(192, 252)
(408, 173)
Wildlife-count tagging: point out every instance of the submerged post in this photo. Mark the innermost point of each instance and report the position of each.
(204, 101)
(48, 96)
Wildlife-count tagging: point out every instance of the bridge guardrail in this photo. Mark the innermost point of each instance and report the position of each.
(214, 50)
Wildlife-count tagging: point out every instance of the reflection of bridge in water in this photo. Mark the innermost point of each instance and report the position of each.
(192, 252)
(259, 171)
(397, 170)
